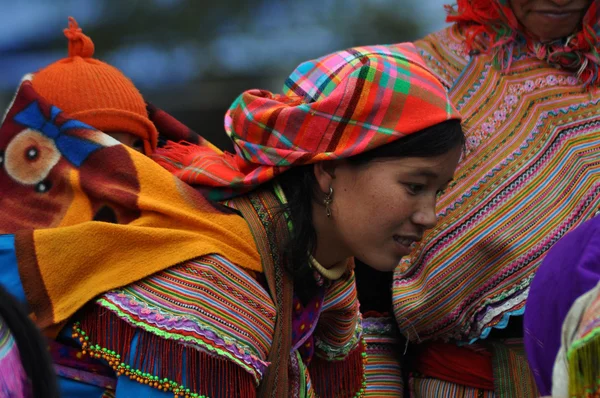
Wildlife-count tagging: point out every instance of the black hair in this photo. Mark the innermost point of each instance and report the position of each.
(300, 187)
(33, 351)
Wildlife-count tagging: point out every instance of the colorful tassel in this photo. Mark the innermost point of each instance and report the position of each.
(584, 366)
(166, 365)
(345, 378)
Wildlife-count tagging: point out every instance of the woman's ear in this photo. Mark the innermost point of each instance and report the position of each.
(325, 174)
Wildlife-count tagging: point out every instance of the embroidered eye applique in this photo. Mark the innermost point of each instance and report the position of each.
(29, 158)
(32, 153)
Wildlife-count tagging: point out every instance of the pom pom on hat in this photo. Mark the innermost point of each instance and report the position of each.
(94, 92)
(80, 45)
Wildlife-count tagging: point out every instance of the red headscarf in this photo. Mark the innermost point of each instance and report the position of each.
(334, 107)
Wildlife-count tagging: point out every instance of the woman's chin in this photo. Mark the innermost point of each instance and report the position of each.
(381, 265)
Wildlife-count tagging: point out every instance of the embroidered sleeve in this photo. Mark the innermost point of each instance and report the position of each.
(339, 329)
(185, 329)
(339, 367)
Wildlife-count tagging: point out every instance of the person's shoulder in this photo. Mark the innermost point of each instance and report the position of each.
(445, 53)
(219, 315)
(447, 36)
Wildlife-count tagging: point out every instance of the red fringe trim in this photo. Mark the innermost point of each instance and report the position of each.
(178, 152)
(498, 22)
(479, 17)
(338, 379)
(163, 364)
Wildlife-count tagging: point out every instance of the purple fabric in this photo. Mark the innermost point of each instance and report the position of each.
(571, 268)
(304, 322)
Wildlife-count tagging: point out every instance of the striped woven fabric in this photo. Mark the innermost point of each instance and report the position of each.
(215, 317)
(530, 174)
(384, 371)
(334, 107)
(512, 375)
(209, 303)
(337, 333)
(428, 388)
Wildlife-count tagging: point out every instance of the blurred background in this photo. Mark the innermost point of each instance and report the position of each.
(193, 57)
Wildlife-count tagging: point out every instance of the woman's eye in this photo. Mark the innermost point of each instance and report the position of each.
(415, 189)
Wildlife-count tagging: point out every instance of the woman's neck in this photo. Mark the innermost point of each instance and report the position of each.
(329, 249)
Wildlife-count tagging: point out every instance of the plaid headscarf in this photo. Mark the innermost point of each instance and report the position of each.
(334, 107)
(491, 25)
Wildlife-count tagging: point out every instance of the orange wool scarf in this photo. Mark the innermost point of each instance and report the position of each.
(90, 215)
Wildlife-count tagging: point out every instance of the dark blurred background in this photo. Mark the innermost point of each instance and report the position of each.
(193, 57)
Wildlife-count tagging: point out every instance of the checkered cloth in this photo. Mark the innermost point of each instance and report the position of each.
(333, 107)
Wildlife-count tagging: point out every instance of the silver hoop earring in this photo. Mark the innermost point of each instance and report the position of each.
(327, 201)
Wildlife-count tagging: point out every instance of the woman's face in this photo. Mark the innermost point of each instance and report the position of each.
(550, 19)
(380, 209)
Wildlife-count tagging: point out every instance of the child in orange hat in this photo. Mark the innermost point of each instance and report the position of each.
(97, 94)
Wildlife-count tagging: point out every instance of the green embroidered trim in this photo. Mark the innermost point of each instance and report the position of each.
(365, 360)
(205, 326)
(280, 195)
(582, 358)
(176, 337)
(524, 284)
(592, 336)
(339, 353)
(302, 388)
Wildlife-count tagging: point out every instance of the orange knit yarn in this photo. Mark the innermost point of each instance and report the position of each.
(94, 92)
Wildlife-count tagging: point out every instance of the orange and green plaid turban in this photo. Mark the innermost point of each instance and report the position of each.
(334, 107)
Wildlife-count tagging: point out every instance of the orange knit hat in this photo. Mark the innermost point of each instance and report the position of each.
(94, 92)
